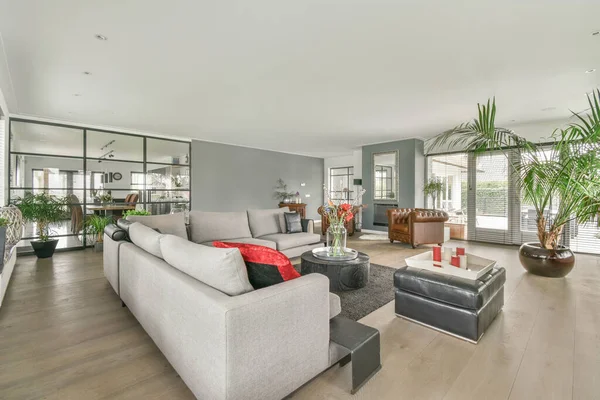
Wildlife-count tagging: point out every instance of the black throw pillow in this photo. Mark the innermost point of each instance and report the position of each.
(292, 222)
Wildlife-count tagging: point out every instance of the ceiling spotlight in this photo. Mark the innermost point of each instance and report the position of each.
(589, 71)
(87, 73)
(100, 37)
(76, 94)
(596, 33)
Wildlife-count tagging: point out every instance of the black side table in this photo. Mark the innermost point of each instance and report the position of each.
(343, 275)
(361, 346)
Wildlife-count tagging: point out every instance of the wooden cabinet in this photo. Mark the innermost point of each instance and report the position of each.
(300, 208)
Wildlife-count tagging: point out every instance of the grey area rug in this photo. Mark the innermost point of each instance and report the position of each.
(378, 292)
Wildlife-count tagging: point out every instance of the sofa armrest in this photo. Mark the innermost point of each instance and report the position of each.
(308, 225)
(284, 326)
(115, 233)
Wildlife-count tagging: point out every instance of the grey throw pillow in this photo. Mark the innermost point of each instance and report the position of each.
(293, 222)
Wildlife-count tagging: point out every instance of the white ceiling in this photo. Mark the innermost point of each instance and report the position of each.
(315, 77)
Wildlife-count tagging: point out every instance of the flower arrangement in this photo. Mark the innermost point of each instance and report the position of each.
(338, 212)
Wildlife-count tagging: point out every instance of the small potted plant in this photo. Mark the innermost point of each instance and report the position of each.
(42, 209)
(135, 212)
(95, 225)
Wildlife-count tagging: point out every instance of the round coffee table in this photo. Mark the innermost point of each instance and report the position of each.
(343, 275)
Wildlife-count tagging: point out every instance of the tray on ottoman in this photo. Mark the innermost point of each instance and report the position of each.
(476, 266)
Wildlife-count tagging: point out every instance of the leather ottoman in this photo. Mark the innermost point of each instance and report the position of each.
(458, 306)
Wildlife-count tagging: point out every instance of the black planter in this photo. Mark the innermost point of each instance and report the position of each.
(44, 249)
(543, 262)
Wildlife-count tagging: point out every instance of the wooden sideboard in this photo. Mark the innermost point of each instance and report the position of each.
(300, 208)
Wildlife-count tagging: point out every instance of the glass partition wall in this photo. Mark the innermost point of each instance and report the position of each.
(95, 172)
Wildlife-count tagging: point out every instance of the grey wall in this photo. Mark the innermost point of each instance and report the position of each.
(232, 178)
(411, 173)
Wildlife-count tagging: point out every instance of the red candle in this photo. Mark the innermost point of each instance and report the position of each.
(460, 251)
(455, 260)
(437, 253)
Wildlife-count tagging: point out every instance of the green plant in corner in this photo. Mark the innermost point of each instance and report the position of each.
(564, 174)
(95, 225)
(433, 188)
(135, 212)
(42, 209)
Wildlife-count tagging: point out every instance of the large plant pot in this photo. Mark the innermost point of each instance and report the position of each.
(44, 249)
(550, 263)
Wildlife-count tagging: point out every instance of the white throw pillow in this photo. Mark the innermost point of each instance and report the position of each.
(222, 269)
(146, 238)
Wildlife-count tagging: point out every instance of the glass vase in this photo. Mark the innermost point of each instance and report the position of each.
(336, 240)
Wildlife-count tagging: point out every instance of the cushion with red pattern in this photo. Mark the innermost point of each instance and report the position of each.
(265, 266)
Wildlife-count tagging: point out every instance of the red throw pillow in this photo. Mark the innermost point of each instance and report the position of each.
(265, 266)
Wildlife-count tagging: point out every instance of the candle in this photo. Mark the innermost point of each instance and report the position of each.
(460, 251)
(463, 261)
(455, 261)
(447, 254)
(437, 253)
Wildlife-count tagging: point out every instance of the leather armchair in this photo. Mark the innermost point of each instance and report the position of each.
(416, 226)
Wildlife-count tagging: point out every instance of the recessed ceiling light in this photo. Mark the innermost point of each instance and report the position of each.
(589, 71)
(549, 109)
(76, 94)
(513, 120)
(87, 73)
(596, 33)
(100, 37)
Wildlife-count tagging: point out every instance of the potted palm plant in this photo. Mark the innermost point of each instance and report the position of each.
(95, 226)
(432, 189)
(42, 209)
(565, 171)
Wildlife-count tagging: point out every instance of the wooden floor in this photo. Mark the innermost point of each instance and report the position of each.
(64, 335)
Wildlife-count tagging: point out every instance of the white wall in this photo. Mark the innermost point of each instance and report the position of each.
(3, 152)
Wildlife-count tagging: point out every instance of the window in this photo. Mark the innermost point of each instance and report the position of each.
(137, 181)
(341, 183)
(451, 171)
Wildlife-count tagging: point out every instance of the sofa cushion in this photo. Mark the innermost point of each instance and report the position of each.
(172, 224)
(222, 269)
(286, 241)
(293, 222)
(266, 222)
(335, 305)
(254, 241)
(146, 238)
(265, 266)
(210, 226)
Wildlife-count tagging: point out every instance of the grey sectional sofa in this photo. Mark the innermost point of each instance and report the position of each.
(261, 227)
(248, 344)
